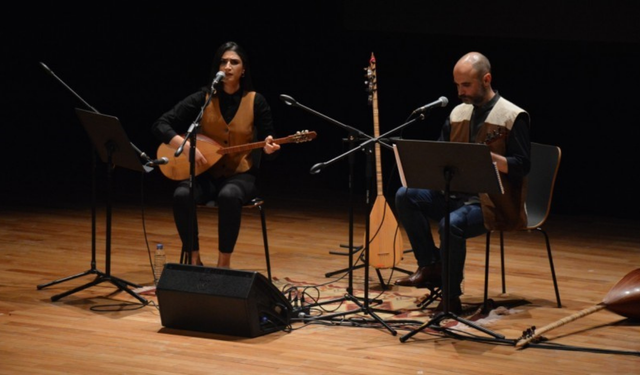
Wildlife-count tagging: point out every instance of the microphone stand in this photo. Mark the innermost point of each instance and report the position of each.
(191, 136)
(351, 138)
(101, 276)
(354, 134)
(367, 147)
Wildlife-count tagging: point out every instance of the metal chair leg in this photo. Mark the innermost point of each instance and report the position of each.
(265, 240)
(553, 270)
(504, 283)
(486, 272)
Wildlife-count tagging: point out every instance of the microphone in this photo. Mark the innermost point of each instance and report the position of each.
(441, 102)
(288, 100)
(161, 161)
(46, 68)
(219, 76)
(316, 168)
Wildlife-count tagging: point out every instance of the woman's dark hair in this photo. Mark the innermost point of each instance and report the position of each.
(246, 83)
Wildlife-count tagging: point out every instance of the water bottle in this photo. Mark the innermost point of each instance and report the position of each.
(158, 262)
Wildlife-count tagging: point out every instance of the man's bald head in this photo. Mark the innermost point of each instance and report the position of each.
(476, 61)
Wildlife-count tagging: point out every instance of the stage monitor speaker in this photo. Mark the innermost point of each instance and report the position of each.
(220, 300)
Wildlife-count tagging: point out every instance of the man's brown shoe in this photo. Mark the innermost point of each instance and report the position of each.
(431, 274)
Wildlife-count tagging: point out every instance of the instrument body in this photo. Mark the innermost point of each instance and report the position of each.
(178, 166)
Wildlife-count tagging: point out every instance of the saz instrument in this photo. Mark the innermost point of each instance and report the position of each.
(178, 168)
(623, 299)
(385, 244)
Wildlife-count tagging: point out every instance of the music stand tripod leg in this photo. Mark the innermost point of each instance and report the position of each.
(85, 273)
(361, 308)
(353, 251)
(348, 269)
(119, 283)
(351, 267)
(347, 297)
(122, 285)
(96, 281)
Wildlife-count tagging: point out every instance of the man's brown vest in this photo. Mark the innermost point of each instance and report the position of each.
(501, 211)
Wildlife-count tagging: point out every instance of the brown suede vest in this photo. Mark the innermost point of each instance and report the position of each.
(501, 211)
(238, 132)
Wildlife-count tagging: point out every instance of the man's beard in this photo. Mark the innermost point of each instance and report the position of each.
(476, 99)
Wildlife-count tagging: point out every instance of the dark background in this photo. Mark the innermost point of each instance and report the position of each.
(573, 66)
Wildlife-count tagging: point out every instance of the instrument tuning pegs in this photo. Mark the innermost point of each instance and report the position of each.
(529, 332)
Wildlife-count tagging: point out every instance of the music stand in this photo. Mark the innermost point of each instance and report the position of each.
(113, 146)
(449, 167)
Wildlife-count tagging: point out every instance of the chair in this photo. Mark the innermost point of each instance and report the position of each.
(545, 160)
(254, 203)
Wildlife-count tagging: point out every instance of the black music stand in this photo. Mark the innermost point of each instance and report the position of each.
(449, 167)
(113, 146)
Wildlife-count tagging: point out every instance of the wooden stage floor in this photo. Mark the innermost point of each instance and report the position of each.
(97, 330)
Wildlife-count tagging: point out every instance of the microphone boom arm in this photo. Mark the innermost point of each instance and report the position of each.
(50, 72)
(369, 139)
(292, 102)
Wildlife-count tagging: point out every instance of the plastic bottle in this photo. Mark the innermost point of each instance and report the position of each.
(159, 261)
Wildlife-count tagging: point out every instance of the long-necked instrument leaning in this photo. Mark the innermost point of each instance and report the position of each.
(385, 242)
(178, 167)
(623, 299)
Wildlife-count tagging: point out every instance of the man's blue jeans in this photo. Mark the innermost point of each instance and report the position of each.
(415, 209)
